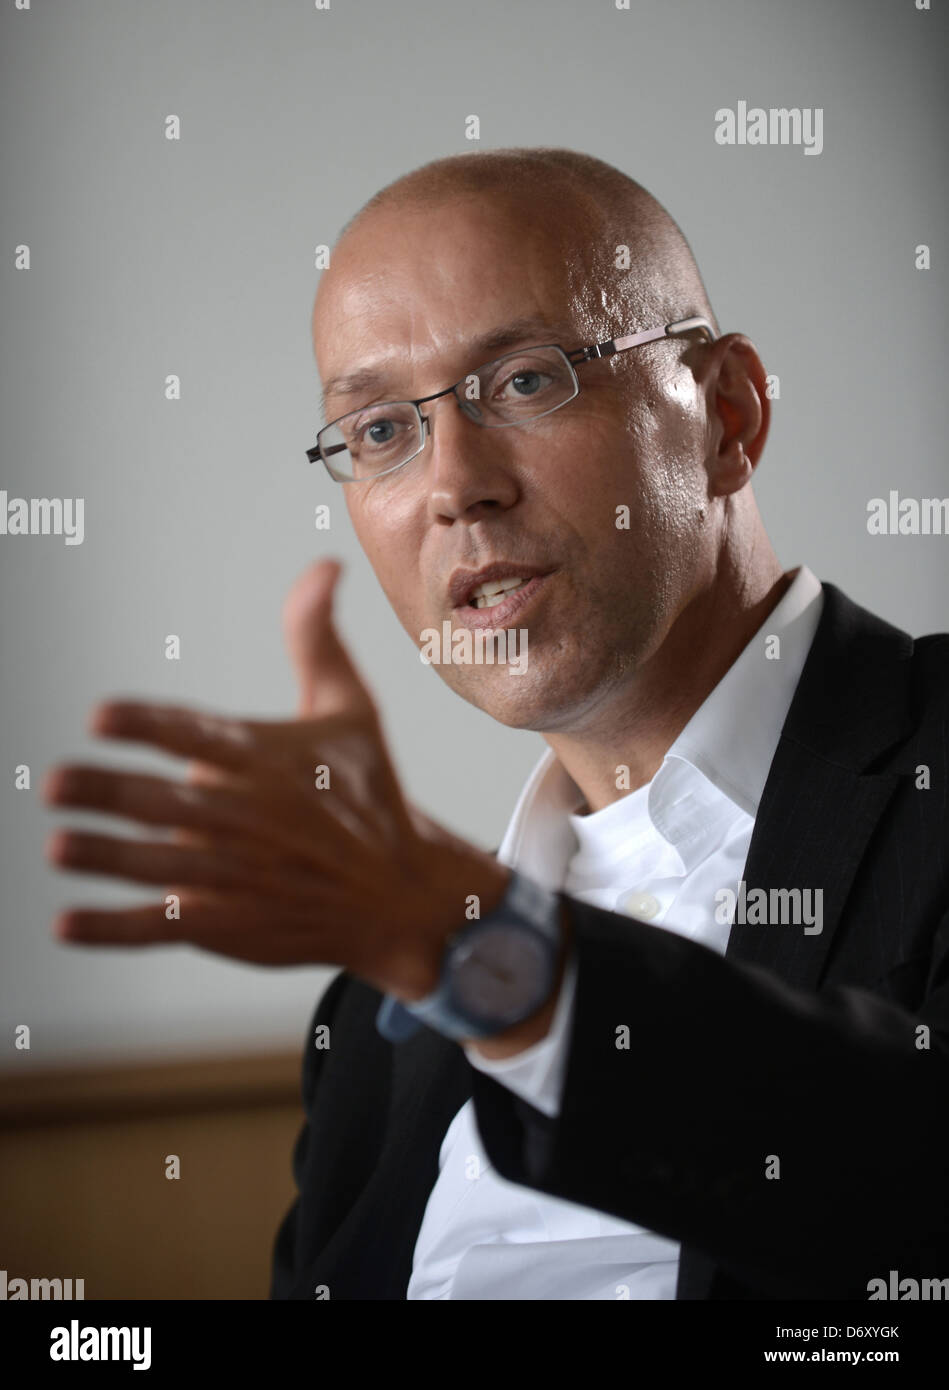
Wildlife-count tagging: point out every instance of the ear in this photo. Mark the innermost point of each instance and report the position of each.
(740, 412)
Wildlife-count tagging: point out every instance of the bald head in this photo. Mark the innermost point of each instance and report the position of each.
(638, 267)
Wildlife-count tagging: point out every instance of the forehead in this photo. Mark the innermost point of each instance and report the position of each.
(417, 287)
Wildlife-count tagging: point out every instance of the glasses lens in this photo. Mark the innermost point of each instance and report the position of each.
(520, 386)
(370, 441)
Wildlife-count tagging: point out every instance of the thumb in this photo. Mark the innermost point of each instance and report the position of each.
(327, 679)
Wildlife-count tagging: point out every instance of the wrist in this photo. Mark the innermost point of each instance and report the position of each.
(462, 885)
(535, 1028)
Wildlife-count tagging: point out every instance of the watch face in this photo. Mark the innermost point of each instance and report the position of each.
(501, 973)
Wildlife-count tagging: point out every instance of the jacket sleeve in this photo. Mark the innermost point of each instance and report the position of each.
(799, 1140)
(285, 1270)
(536, 1074)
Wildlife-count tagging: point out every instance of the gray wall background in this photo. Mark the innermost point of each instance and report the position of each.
(197, 257)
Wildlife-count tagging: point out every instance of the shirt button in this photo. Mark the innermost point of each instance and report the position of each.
(641, 905)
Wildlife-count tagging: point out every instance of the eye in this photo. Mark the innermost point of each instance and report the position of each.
(380, 431)
(375, 432)
(526, 383)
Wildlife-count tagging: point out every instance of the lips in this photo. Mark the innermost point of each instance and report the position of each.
(511, 607)
(490, 594)
(487, 582)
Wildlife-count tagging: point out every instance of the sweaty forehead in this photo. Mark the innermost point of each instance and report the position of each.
(414, 285)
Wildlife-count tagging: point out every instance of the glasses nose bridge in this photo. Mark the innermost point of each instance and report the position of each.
(427, 418)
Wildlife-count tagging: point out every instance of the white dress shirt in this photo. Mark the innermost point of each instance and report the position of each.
(660, 853)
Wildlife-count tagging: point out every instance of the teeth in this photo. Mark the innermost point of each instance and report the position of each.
(491, 593)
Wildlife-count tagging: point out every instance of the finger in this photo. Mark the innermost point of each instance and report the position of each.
(127, 926)
(274, 875)
(144, 861)
(222, 926)
(243, 747)
(328, 680)
(152, 800)
(228, 743)
(267, 827)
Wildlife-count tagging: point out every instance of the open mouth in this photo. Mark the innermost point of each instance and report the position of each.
(498, 602)
(494, 591)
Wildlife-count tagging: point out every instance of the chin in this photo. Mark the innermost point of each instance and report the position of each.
(535, 701)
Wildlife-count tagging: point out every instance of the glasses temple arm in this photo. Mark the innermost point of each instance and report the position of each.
(649, 335)
(314, 454)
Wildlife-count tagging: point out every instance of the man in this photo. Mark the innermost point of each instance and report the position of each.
(687, 1033)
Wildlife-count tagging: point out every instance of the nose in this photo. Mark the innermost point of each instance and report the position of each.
(468, 470)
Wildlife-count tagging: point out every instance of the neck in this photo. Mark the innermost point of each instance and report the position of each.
(637, 726)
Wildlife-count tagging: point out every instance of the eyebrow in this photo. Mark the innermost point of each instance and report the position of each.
(517, 331)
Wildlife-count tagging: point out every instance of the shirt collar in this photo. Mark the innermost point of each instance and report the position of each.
(731, 740)
(733, 735)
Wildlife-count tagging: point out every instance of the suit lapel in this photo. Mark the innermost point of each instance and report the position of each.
(822, 801)
(820, 805)
(811, 832)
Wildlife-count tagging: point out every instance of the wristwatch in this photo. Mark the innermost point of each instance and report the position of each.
(495, 972)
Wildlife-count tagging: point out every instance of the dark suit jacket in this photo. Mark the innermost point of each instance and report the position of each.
(805, 1047)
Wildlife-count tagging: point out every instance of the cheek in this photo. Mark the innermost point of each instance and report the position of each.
(679, 408)
(384, 515)
(619, 479)
(667, 425)
(638, 504)
(386, 526)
